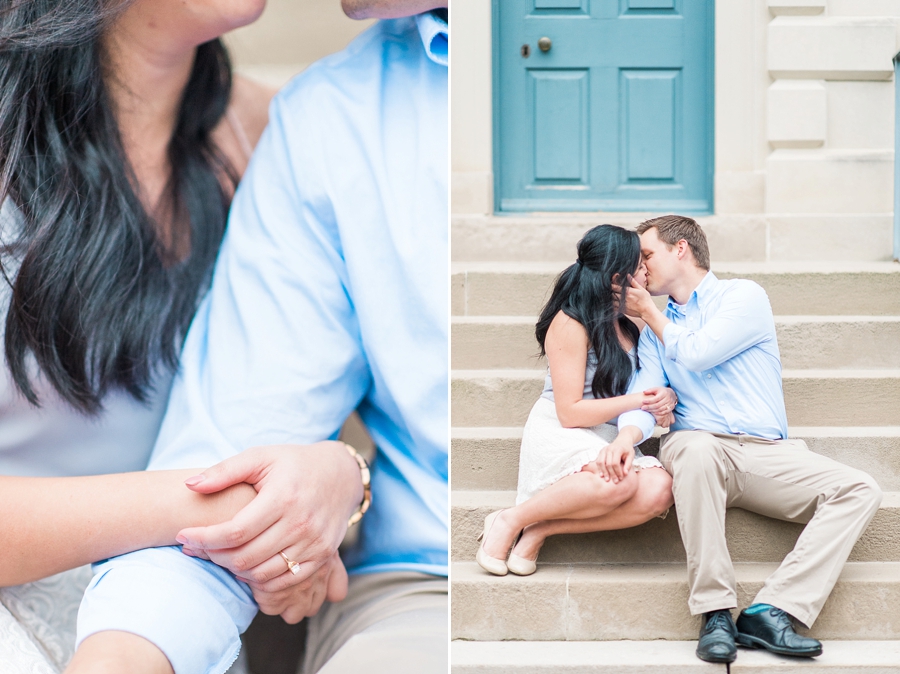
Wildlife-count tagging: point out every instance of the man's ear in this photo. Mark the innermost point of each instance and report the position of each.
(683, 248)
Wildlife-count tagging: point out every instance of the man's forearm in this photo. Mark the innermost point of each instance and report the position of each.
(655, 320)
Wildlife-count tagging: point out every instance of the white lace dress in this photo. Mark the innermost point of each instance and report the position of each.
(550, 452)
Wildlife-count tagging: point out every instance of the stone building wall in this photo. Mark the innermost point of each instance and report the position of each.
(804, 124)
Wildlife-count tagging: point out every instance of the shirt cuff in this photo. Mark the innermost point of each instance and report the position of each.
(671, 334)
(191, 609)
(435, 37)
(643, 420)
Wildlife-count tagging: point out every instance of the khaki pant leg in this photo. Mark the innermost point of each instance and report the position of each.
(390, 623)
(700, 467)
(787, 481)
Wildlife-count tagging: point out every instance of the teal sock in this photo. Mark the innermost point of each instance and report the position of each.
(757, 608)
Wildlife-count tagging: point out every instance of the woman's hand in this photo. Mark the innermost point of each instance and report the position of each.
(665, 420)
(659, 401)
(296, 602)
(614, 461)
(306, 494)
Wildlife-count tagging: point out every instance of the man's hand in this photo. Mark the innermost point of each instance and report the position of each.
(639, 304)
(659, 401)
(306, 494)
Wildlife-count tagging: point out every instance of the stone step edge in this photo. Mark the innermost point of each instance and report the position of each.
(502, 498)
(469, 571)
(514, 432)
(817, 373)
(490, 657)
(647, 601)
(755, 268)
(779, 319)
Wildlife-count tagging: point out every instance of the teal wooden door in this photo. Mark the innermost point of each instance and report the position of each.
(603, 105)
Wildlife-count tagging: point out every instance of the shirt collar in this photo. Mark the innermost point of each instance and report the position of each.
(435, 36)
(700, 295)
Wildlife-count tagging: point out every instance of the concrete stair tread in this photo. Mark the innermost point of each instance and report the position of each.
(678, 657)
(752, 538)
(521, 288)
(816, 373)
(804, 341)
(798, 319)
(506, 432)
(504, 498)
(868, 572)
(813, 397)
(750, 268)
(611, 602)
(487, 457)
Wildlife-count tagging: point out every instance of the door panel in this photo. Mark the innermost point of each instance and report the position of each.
(557, 4)
(651, 4)
(649, 106)
(614, 114)
(560, 123)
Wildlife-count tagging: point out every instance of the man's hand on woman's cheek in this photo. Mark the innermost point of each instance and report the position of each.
(306, 494)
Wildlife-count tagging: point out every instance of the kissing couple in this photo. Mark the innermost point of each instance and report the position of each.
(707, 368)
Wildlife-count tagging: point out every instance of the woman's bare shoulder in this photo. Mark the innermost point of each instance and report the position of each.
(250, 102)
(566, 331)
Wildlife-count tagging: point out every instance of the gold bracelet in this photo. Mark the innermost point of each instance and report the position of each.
(366, 476)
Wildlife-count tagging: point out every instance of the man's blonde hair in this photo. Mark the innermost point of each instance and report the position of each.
(673, 228)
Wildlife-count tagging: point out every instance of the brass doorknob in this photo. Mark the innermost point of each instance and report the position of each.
(544, 44)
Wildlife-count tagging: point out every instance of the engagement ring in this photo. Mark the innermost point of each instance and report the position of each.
(293, 566)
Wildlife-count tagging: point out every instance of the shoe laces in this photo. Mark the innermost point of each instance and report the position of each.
(719, 619)
(783, 619)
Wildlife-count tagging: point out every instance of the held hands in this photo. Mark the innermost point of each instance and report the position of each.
(306, 494)
(296, 602)
(660, 402)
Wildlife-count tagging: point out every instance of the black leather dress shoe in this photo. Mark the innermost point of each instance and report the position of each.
(717, 637)
(772, 629)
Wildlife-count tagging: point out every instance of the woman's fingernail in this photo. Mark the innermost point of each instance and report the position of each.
(182, 540)
(195, 480)
(188, 552)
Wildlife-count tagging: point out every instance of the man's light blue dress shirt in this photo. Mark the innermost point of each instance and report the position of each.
(721, 358)
(330, 294)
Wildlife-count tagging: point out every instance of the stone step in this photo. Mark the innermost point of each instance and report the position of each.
(488, 458)
(663, 657)
(813, 397)
(751, 537)
(731, 237)
(840, 342)
(801, 289)
(645, 602)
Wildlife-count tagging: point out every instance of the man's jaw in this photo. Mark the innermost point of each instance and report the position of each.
(388, 9)
(653, 289)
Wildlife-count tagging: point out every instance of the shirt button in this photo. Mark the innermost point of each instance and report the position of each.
(709, 376)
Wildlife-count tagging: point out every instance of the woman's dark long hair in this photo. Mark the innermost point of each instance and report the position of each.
(96, 296)
(606, 254)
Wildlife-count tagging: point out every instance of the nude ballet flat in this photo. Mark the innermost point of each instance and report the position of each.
(521, 566)
(485, 561)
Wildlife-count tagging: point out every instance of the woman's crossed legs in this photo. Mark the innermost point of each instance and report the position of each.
(580, 503)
